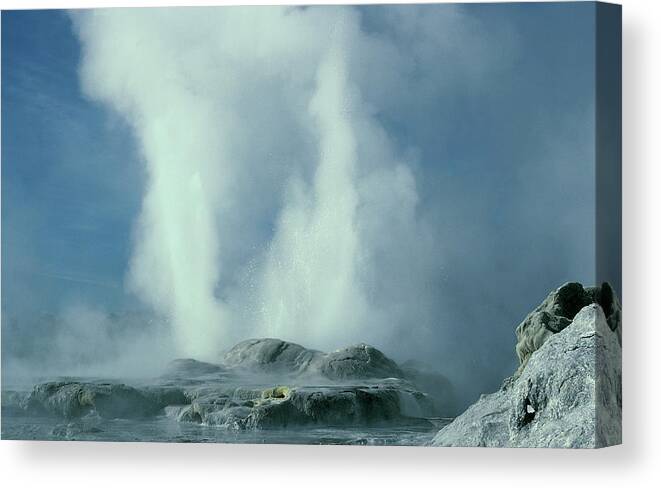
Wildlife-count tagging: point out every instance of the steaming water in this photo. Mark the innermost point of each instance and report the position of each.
(165, 429)
(18, 425)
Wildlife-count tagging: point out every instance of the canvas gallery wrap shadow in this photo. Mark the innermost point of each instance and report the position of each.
(375, 225)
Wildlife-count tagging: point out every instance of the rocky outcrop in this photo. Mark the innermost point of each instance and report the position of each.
(558, 310)
(259, 384)
(282, 406)
(357, 385)
(270, 356)
(566, 394)
(358, 362)
(420, 391)
(108, 400)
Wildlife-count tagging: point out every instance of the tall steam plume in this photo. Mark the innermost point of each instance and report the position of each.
(276, 203)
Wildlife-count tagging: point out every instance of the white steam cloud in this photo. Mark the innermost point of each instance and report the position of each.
(277, 204)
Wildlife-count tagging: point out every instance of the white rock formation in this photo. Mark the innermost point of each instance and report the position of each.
(568, 393)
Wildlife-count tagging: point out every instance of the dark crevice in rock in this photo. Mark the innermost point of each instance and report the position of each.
(528, 412)
(570, 299)
(606, 299)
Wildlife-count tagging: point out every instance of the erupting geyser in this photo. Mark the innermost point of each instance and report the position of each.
(186, 94)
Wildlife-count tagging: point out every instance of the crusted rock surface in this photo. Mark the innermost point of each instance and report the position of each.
(568, 394)
(558, 310)
(71, 399)
(359, 361)
(283, 406)
(260, 384)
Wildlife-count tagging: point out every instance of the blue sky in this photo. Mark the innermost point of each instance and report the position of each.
(70, 179)
(504, 170)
